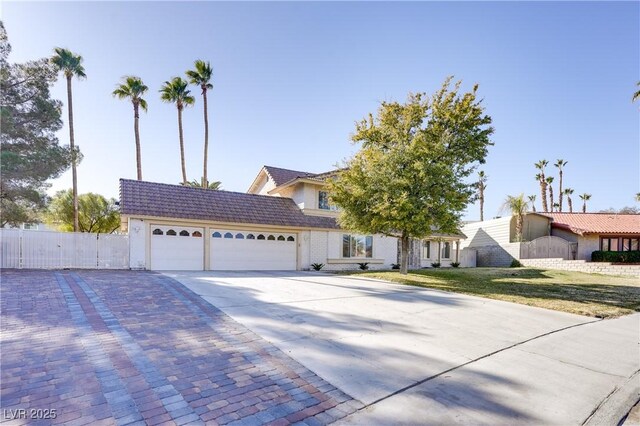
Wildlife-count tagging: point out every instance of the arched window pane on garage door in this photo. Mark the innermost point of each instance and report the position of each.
(158, 232)
(261, 237)
(251, 237)
(290, 238)
(280, 237)
(196, 234)
(217, 235)
(184, 233)
(239, 236)
(171, 232)
(271, 238)
(228, 235)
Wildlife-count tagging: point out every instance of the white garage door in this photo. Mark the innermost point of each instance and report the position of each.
(177, 248)
(252, 250)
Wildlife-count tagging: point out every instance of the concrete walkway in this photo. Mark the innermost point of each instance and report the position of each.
(417, 356)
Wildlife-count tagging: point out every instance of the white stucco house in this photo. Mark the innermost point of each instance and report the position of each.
(283, 222)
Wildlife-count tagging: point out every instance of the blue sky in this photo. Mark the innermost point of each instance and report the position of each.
(290, 80)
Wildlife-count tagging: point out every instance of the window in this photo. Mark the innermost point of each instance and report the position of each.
(271, 238)
(158, 232)
(171, 232)
(290, 239)
(630, 244)
(261, 237)
(251, 237)
(426, 251)
(357, 245)
(196, 234)
(239, 236)
(446, 250)
(323, 201)
(280, 238)
(217, 235)
(609, 244)
(184, 233)
(228, 235)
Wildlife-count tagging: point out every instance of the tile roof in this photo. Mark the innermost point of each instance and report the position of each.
(596, 223)
(281, 176)
(183, 202)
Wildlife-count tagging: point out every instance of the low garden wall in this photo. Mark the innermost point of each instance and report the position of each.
(582, 266)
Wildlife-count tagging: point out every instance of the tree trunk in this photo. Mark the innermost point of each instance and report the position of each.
(481, 204)
(136, 130)
(560, 193)
(205, 180)
(404, 254)
(519, 220)
(182, 162)
(570, 204)
(533, 206)
(584, 206)
(551, 196)
(74, 173)
(543, 193)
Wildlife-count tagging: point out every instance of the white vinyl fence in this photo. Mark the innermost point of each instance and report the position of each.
(56, 250)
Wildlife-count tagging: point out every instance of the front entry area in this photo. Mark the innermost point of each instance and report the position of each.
(243, 250)
(177, 248)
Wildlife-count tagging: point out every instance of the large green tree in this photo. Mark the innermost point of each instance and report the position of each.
(201, 76)
(133, 88)
(29, 150)
(175, 91)
(70, 65)
(411, 174)
(97, 214)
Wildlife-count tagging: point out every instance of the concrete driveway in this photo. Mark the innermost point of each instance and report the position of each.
(412, 355)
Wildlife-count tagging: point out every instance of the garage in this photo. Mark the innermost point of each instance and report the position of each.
(177, 248)
(252, 250)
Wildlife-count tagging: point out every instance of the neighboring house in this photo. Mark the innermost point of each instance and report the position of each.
(597, 231)
(577, 235)
(32, 227)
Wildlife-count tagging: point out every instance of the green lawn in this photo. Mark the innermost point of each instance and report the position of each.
(575, 292)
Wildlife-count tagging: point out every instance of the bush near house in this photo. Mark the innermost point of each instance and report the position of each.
(616, 256)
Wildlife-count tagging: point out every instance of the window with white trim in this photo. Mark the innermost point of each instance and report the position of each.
(357, 246)
(446, 250)
(426, 249)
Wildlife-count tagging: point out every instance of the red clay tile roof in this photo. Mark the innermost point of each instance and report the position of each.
(596, 223)
(183, 202)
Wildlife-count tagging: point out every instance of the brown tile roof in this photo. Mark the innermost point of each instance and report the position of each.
(281, 176)
(182, 202)
(596, 223)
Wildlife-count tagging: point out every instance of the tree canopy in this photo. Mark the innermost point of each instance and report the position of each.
(30, 153)
(410, 176)
(96, 213)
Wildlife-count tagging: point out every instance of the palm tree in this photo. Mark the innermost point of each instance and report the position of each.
(560, 164)
(133, 88)
(568, 192)
(518, 207)
(201, 76)
(636, 95)
(482, 185)
(638, 196)
(71, 65)
(532, 200)
(540, 177)
(210, 185)
(175, 91)
(549, 181)
(585, 197)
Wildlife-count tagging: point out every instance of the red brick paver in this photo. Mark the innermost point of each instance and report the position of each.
(120, 347)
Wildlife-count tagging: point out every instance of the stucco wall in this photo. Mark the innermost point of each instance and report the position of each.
(137, 243)
(486, 233)
(587, 244)
(533, 226)
(326, 247)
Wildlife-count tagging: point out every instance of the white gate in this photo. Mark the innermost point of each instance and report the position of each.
(56, 250)
(548, 247)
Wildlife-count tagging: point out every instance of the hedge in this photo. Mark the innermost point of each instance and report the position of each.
(616, 256)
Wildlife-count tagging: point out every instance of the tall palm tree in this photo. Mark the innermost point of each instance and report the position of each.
(560, 164)
(636, 95)
(532, 200)
(568, 192)
(201, 76)
(518, 207)
(70, 65)
(540, 165)
(482, 185)
(133, 88)
(175, 91)
(549, 181)
(585, 197)
(195, 183)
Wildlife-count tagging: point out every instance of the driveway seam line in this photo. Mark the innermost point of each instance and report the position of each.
(136, 354)
(572, 364)
(420, 382)
(103, 367)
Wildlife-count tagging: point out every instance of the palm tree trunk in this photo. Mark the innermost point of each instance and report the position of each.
(136, 130)
(74, 172)
(519, 220)
(584, 206)
(543, 193)
(570, 204)
(404, 254)
(182, 162)
(560, 194)
(551, 196)
(205, 181)
(481, 204)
